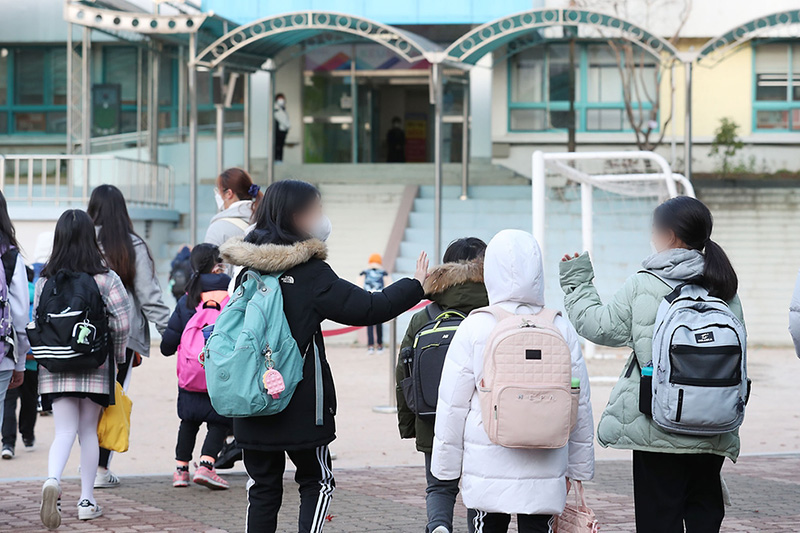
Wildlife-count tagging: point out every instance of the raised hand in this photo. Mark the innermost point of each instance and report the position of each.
(422, 268)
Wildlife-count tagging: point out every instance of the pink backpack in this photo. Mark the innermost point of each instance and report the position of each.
(526, 393)
(191, 374)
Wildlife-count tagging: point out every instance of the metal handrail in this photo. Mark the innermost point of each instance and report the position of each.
(70, 179)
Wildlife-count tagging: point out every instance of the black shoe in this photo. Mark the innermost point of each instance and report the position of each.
(30, 444)
(228, 456)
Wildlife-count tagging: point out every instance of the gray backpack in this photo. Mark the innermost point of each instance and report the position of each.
(699, 384)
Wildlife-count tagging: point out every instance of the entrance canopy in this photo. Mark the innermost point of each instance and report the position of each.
(784, 24)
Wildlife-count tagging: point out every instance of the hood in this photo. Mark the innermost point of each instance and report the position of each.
(214, 282)
(513, 269)
(677, 264)
(271, 257)
(241, 209)
(449, 275)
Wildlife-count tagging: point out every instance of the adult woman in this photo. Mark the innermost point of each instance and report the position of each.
(127, 255)
(290, 230)
(676, 478)
(12, 372)
(78, 397)
(237, 199)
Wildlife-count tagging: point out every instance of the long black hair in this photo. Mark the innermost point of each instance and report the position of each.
(75, 247)
(203, 259)
(108, 210)
(691, 221)
(464, 249)
(8, 235)
(274, 217)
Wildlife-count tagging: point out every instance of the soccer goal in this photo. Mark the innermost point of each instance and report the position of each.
(602, 203)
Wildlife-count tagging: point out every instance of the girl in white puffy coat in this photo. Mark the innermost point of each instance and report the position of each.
(496, 481)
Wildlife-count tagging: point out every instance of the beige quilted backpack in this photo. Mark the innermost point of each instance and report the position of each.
(526, 394)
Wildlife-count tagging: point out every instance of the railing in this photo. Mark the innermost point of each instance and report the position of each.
(69, 179)
(121, 141)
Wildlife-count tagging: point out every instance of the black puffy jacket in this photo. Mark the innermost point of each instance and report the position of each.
(312, 292)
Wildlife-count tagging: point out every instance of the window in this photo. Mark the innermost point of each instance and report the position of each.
(776, 92)
(540, 91)
(29, 76)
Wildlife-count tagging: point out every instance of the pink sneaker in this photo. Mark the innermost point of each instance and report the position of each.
(208, 478)
(180, 478)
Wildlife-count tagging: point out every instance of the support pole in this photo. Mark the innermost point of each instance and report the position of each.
(192, 87)
(155, 71)
(538, 191)
(353, 108)
(181, 92)
(86, 97)
(687, 135)
(438, 97)
(70, 90)
(246, 123)
(588, 243)
(139, 102)
(465, 144)
(220, 123)
(391, 406)
(269, 66)
(673, 140)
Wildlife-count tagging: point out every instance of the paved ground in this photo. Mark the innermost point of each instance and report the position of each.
(765, 491)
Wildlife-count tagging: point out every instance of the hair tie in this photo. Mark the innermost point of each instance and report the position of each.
(253, 190)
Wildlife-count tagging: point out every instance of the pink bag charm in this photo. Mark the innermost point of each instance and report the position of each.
(577, 518)
(273, 382)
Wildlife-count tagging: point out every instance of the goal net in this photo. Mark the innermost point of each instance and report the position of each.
(601, 203)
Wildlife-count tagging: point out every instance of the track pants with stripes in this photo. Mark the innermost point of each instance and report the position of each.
(265, 488)
(483, 522)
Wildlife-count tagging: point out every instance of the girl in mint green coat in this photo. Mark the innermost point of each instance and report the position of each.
(676, 477)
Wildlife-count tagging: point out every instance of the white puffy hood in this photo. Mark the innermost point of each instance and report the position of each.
(513, 269)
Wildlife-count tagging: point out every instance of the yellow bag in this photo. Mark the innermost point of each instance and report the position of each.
(114, 429)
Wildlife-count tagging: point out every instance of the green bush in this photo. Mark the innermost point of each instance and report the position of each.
(726, 144)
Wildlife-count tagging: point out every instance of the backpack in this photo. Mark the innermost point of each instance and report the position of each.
(191, 374)
(7, 334)
(70, 332)
(180, 273)
(526, 394)
(251, 336)
(425, 362)
(699, 366)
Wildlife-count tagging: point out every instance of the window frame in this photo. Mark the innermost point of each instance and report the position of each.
(789, 104)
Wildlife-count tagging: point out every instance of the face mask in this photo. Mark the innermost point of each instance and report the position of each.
(281, 102)
(322, 228)
(219, 200)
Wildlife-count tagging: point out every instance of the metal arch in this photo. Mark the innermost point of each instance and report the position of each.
(311, 21)
(484, 39)
(715, 49)
(142, 23)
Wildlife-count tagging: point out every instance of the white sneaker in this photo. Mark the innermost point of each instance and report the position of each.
(89, 511)
(8, 452)
(50, 510)
(105, 479)
(441, 529)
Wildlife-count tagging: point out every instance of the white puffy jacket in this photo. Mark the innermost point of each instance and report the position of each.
(497, 479)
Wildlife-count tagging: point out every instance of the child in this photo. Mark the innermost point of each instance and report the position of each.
(676, 478)
(78, 397)
(455, 285)
(374, 279)
(208, 285)
(499, 481)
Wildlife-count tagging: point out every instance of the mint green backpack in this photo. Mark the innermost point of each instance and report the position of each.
(252, 336)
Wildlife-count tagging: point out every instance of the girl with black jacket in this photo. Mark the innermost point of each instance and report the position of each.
(289, 237)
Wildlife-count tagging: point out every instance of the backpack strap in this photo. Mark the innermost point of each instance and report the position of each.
(496, 311)
(238, 222)
(9, 259)
(434, 310)
(676, 286)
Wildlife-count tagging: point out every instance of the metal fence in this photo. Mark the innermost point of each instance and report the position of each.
(69, 179)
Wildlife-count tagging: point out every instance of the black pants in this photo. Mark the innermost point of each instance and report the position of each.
(676, 490)
(483, 522)
(28, 395)
(187, 437)
(122, 373)
(265, 489)
(375, 333)
(280, 142)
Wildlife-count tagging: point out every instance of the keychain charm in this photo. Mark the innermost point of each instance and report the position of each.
(273, 382)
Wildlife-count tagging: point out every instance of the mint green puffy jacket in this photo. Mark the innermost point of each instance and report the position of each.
(628, 320)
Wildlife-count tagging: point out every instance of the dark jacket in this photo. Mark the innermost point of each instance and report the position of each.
(171, 337)
(312, 292)
(456, 286)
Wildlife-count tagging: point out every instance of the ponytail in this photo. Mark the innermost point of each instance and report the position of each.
(691, 221)
(203, 259)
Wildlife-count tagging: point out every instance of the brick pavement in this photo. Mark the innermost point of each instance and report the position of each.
(765, 492)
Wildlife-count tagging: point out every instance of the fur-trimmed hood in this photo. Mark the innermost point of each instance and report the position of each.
(449, 275)
(271, 257)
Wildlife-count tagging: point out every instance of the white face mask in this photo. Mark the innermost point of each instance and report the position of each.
(281, 102)
(219, 200)
(322, 228)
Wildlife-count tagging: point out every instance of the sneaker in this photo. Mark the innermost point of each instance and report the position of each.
(228, 456)
(8, 452)
(370, 350)
(50, 510)
(30, 444)
(380, 348)
(105, 479)
(208, 477)
(180, 478)
(88, 510)
(441, 529)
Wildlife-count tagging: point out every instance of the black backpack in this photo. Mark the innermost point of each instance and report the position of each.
(180, 273)
(70, 332)
(424, 362)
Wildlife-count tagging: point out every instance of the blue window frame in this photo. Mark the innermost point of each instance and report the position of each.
(538, 89)
(776, 87)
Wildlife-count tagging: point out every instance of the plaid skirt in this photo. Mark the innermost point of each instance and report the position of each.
(97, 381)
